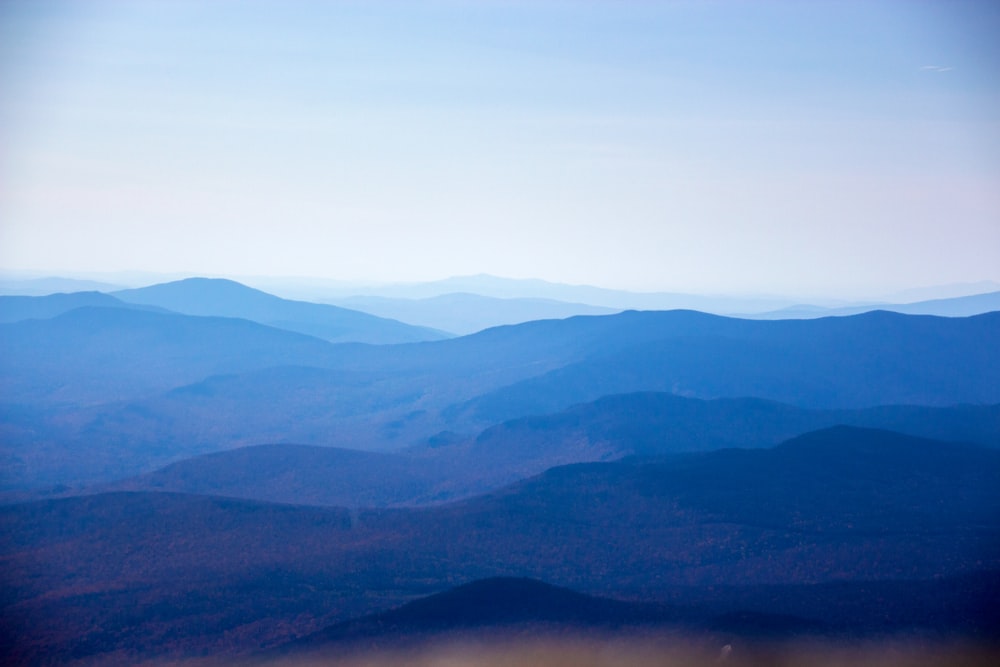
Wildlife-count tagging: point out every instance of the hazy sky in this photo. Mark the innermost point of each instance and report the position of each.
(833, 148)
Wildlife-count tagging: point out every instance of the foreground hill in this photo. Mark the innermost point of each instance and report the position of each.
(644, 425)
(520, 609)
(495, 604)
(226, 298)
(147, 573)
(51, 285)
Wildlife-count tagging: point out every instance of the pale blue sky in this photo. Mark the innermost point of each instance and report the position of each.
(841, 149)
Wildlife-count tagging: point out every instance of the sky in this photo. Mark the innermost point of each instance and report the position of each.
(834, 148)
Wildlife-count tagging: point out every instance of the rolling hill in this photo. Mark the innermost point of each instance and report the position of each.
(632, 425)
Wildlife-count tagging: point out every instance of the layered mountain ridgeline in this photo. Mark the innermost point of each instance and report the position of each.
(102, 382)
(641, 425)
(154, 573)
(465, 313)
(959, 300)
(226, 298)
(872, 359)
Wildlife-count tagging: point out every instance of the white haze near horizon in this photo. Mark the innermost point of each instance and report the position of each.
(763, 147)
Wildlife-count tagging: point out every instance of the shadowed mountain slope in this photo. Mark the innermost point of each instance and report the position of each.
(644, 425)
(226, 298)
(864, 360)
(144, 571)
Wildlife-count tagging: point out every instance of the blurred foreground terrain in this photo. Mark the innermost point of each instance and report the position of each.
(640, 652)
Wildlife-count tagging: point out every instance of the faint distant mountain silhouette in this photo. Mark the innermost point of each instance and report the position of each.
(961, 306)
(464, 313)
(226, 298)
(52, 285)
(519, 288)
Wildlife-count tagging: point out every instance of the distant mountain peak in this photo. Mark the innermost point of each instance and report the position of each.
(227, 298)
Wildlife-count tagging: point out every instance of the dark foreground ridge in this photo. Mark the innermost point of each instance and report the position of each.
(861, 530)
(515, 604)
(503, 607)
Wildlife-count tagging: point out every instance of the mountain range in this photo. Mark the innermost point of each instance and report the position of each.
(202, 469)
